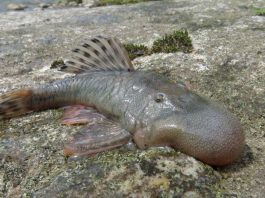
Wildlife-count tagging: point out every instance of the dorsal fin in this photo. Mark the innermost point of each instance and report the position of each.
(98, 54)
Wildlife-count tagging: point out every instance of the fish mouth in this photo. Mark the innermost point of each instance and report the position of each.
(211, 134)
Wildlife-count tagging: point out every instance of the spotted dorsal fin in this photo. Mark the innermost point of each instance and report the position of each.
(98, 54)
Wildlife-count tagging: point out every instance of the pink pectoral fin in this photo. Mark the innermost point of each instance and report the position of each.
(78, 114)
(97, 138)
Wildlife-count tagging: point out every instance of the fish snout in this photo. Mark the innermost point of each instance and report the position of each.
(211, 134)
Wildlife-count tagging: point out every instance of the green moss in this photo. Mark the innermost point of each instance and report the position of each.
(135, 51)
(67, 2)
(177, 41)
(115, 2)
(57, 63)
(259, 11)
(149, 167)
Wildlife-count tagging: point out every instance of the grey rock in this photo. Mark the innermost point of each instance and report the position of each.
(227, 64)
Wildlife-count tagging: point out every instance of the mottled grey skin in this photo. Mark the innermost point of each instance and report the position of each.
(155, 111)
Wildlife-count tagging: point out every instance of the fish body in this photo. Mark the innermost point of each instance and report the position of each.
(142, 105)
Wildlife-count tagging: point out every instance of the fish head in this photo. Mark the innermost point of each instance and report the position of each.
(195, 126)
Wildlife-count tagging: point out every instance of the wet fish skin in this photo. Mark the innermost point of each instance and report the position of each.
(128, 97)
(152, 109)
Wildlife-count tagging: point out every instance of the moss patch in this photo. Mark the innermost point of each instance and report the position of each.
(115, 2)
(177, 41)
(56, 64)
(135, 51)
(259, 11)
(69, 2)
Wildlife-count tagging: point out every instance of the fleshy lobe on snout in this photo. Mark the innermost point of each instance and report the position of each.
(210, 134)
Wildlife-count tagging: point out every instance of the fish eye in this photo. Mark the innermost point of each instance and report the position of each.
(159, 97)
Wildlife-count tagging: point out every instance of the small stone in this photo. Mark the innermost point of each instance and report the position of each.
(73, 3)
(44, 5)
(191, 194)
(88, 3)
(14, 6)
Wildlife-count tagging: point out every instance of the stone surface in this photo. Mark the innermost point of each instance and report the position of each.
(227, 64)
(14, 6)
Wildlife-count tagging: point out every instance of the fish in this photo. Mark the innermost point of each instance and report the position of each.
(117, 104)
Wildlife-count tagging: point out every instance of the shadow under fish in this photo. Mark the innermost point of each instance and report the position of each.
(117, 103)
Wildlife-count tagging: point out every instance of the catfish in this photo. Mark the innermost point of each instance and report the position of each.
(117, 103)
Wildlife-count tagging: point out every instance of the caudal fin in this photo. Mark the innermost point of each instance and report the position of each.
(15, 103)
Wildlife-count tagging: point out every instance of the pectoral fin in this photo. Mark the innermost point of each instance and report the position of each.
(96, 138)
(78, 114)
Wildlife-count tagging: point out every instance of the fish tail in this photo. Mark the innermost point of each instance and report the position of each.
(15, 103)
(48, 96)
